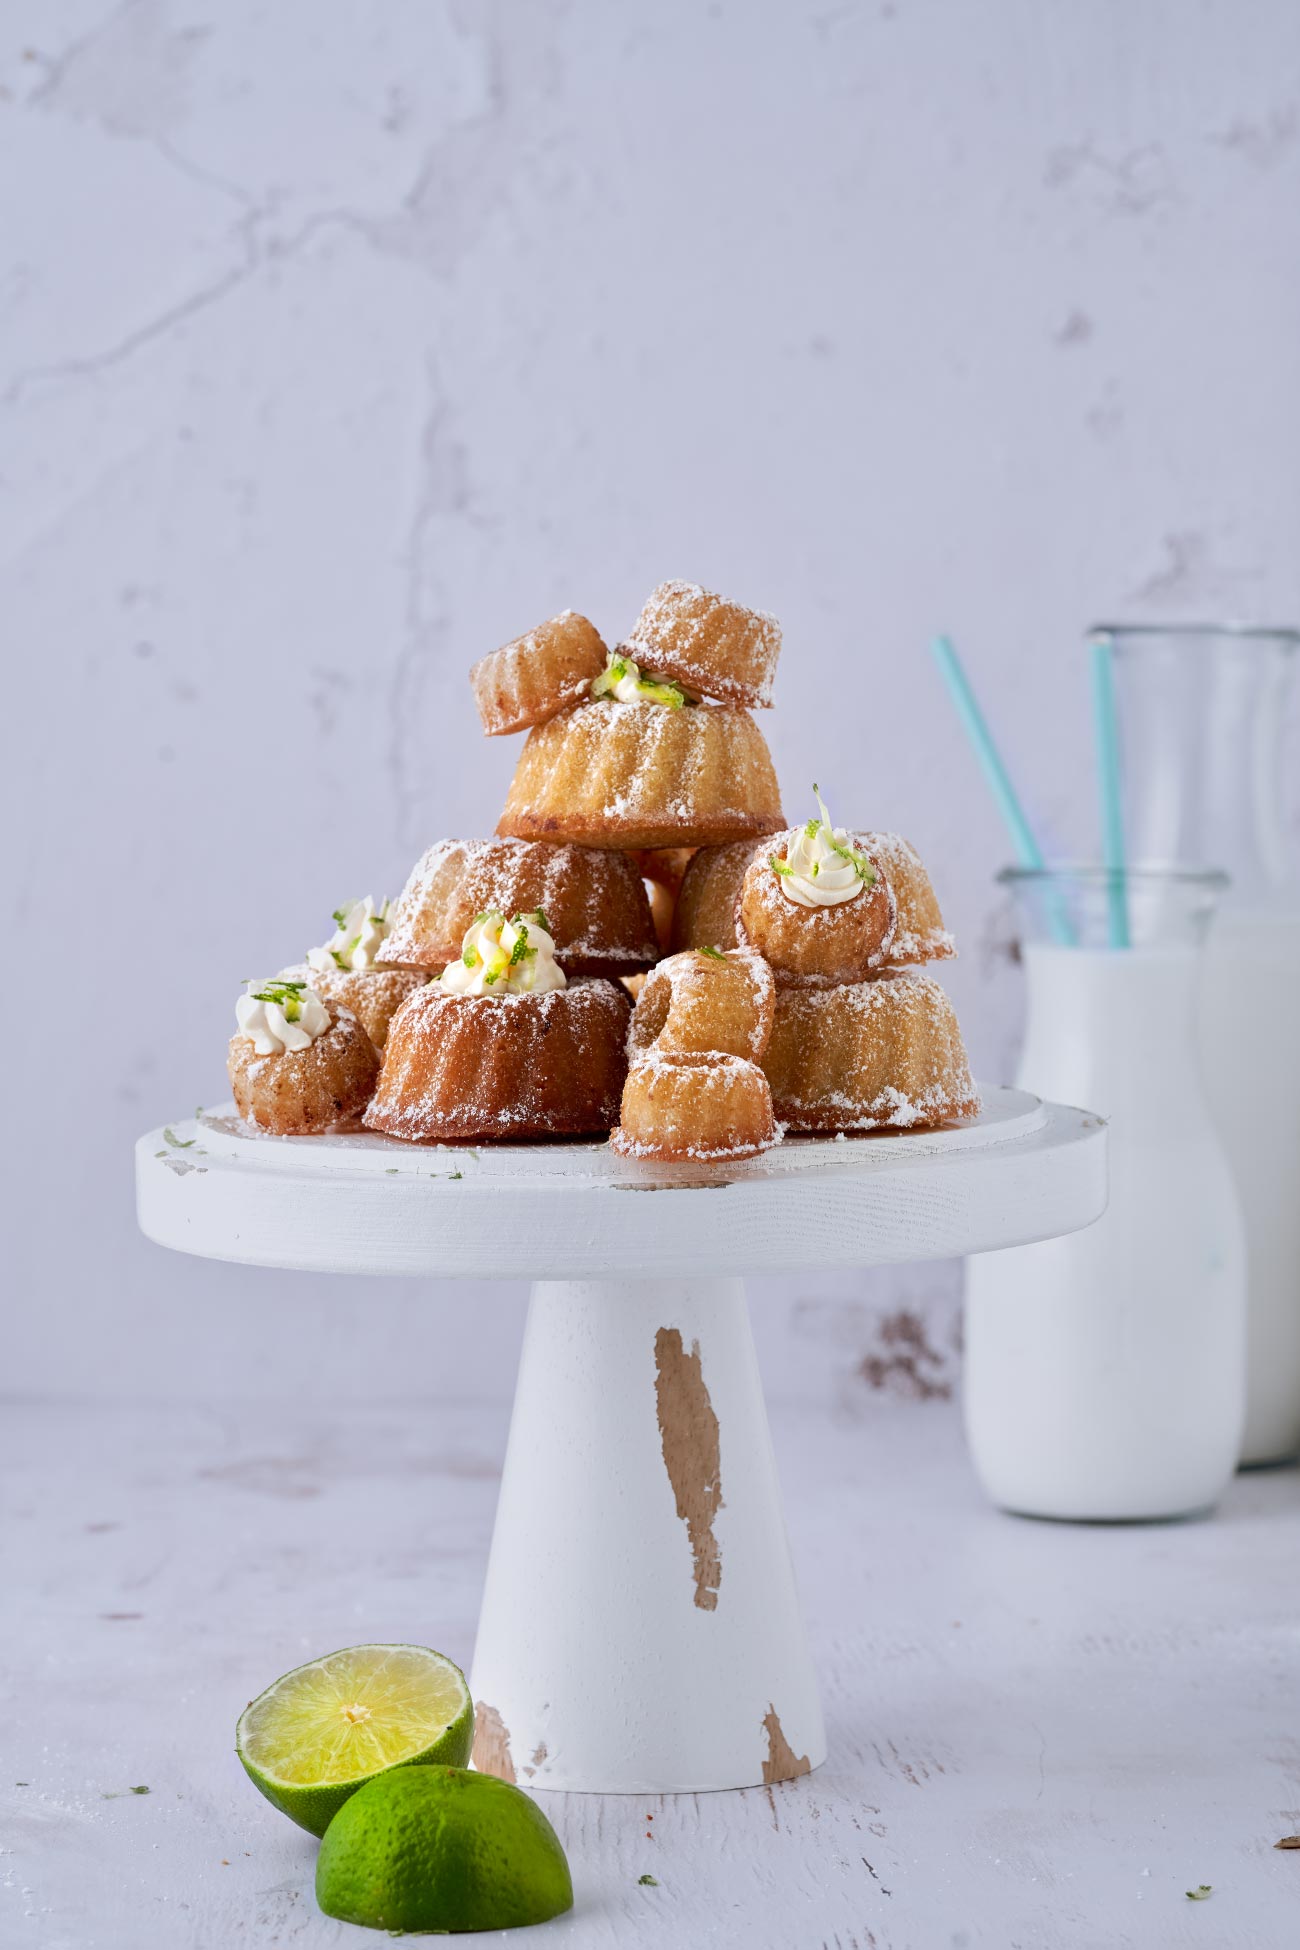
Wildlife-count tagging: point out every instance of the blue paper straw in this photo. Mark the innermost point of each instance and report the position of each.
(1112, 818)
(1027, 849)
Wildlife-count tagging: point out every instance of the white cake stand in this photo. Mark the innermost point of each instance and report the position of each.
(640, 1630)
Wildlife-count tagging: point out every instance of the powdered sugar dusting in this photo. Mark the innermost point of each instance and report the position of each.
(713, 646)
(638, 775)
(594, 900)
(527, 681)
(876, 1055)
(484, 1067)
(919, 933)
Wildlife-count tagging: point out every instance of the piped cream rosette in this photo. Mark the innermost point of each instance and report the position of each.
(281, 1015)
(360, 931)
(500, 957)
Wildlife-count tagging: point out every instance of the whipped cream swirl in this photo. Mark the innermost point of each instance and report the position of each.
(360, 931)
(625, 680)
(820, 868)
(500, 957)
(278, 1016)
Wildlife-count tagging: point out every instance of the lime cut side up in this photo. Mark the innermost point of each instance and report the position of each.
(437, 1848)
(320, 1733)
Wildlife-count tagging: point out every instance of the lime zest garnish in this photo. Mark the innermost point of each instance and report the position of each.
(779, 866)
(470, 958)
(813, 828)
(656, 689)
(660, 692)
(613, 673)
(715, 954)
(338, 960)
(858, 861)
(1198, 1894)
(182, 1144)
(647, 1882)
(285, 995)
(521, 947)
(340, 915)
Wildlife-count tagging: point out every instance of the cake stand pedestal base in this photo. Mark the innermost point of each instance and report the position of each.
(640, 1630)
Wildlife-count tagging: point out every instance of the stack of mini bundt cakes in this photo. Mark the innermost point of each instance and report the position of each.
(641, 832)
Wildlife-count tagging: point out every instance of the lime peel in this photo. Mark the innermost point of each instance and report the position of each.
(441, 1848)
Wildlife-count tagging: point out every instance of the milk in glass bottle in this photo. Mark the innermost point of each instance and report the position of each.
(1202, 719)
(1105, 1371)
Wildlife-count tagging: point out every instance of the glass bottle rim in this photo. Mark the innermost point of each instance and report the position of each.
(1089, 874)
(1286, 633)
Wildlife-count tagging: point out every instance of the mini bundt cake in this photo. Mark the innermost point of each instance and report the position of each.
(526, 682)
(880, 1055)
(594, 902)
(820, 910)
(501, 1046)
(704, 1106)
(708, 905)
(694, 638)
(609, 774)
(298, 1064)
(706, 1000)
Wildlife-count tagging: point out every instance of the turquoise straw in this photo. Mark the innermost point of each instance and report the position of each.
(1112, 818)
(1028, 851)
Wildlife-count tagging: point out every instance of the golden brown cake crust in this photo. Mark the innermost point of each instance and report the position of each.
(708, 1107)
(709, 903)
(594, 900)
(374, 995)
(474, 1069)
(880, 1055)
(301, 1092)
(919, 934)
(526, 682)
(815, 947)
(714, 647)
(608, 774)
(697, 1001)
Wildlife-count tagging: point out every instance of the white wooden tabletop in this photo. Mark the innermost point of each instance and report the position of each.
(1040, 1735)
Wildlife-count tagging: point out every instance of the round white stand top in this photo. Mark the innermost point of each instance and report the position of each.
(361, 1203)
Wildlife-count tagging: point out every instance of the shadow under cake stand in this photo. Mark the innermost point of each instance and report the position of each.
(640, 1629)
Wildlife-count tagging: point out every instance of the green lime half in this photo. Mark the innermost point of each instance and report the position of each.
(327, 1728)
(437, 1848)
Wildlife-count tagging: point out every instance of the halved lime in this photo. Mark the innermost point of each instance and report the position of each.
(436, 1848)
(325, 1729)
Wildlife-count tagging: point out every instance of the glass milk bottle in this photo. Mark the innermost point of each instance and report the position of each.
(1201, 714)
(1105, 1372)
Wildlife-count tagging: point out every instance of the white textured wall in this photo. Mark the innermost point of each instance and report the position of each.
(340, 342)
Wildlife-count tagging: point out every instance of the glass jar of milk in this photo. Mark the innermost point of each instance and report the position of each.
(1104, 1373)
(1202, 716)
